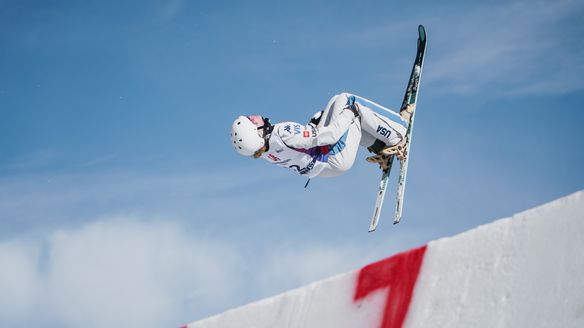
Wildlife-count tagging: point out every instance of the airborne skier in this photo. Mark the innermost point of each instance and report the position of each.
(328, 144)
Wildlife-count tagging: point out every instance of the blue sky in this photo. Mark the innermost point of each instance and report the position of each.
(122, 201)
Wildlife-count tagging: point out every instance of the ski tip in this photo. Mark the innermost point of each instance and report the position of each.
(422, 33)
(371, 230)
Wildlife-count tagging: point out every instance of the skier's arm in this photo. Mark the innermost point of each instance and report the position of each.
(297, 136)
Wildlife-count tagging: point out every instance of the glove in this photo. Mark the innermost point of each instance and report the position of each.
(316, 118)
(353, 108)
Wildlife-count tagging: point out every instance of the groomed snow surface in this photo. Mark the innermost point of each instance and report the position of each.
(523, 271)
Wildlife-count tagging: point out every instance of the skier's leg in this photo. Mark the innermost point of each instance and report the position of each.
(367, 140)
(390, 129)
(343, 153)
(334, 107)
(374, 131)
(384, 111)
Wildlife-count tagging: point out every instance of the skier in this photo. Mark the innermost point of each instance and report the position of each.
(328, 144)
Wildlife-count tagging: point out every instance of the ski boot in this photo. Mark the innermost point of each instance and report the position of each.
(383, 153)
(382, 157)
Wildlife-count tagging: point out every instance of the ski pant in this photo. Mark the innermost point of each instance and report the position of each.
(371, 125)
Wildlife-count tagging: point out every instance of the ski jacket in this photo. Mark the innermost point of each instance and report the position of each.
(307, 148)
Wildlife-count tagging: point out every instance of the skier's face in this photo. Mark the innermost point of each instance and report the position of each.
(257, 120)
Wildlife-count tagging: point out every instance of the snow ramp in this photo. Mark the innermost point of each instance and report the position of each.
(523, 271)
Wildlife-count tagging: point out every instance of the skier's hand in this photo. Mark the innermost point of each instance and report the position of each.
(353, 108)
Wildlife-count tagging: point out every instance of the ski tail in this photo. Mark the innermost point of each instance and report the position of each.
(380, 196)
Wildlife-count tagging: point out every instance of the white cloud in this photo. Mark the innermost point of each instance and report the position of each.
(126, 271)
(114, 273)
(19, 281)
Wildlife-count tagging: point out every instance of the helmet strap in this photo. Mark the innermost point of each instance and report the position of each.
(268, 128)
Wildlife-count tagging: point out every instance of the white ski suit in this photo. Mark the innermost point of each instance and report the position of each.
(329, 148)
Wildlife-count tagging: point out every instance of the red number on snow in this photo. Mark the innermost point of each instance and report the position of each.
(397, 273)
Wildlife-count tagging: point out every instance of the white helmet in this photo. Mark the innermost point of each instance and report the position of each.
(245, 136)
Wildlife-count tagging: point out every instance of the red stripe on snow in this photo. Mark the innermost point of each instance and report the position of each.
(397, 273)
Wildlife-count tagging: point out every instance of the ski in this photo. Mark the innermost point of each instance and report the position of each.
(380, 196)
(410, 98)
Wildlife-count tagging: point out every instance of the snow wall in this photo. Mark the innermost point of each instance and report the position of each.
(523, 271)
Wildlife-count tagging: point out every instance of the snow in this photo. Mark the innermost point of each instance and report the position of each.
(523, 271)
(316, 305)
